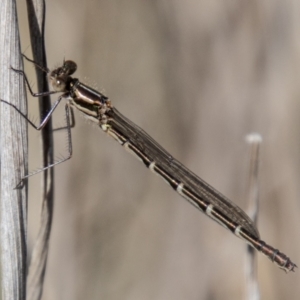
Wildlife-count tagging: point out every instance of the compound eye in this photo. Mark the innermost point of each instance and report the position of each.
(70, 67)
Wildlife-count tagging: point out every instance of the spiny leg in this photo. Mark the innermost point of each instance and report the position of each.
(41, 94)
(72, 123)
(44, 69)
(70, 150)
(46, 118)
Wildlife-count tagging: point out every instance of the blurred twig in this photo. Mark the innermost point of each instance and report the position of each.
(36, 16)
(254, 140)
(13, 158)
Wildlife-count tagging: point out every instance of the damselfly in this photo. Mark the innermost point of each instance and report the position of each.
(99, 109)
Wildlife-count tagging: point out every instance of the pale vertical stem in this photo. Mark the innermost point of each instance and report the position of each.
(13, 158)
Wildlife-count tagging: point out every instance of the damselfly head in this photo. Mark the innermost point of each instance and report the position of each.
(59, 77)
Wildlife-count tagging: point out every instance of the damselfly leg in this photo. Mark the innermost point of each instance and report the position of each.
(70, 120)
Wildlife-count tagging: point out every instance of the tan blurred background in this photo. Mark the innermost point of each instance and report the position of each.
(198, 76)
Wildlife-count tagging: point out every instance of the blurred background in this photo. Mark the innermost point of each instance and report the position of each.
(198, 76)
